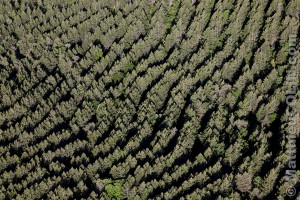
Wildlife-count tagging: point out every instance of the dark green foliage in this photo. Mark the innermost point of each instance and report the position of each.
(128, 68)
(169, 99)
(117, 77)
(95, 104)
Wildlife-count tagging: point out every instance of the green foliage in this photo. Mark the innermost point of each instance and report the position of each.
(70, 1)
(226, 15)
(183, 103)
(236, 93)
(117, 77)
(272, 117)
(217, 44)
(128, 68)
(117, 102)
(243, 132)
(151, 11)
(248, 59)
(257, 182)
(219, 149)
(12, 194)
(171, 14)
(113, 188)
(220, 40)
(98, 54)
(95, 104)
(60, 50)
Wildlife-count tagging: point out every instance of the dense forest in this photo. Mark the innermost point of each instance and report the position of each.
(149, 99)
